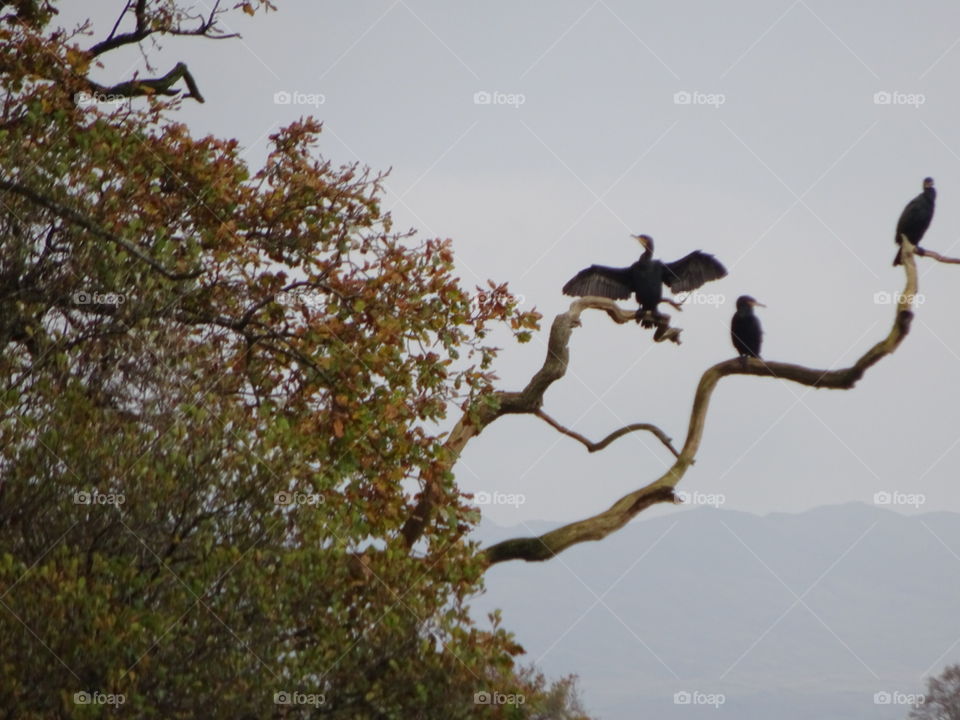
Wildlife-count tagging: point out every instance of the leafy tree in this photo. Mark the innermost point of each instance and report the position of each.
(221, 390)
(942, 698)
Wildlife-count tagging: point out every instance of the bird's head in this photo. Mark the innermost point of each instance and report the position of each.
(646, 241)
(745, 302)
(927, 183)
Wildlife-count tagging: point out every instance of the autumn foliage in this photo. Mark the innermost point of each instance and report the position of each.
(222, 389)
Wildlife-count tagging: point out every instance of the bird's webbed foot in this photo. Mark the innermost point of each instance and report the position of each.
(650, 318)
(660, 321)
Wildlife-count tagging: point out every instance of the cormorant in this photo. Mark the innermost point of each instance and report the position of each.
(745, 329)
(646, 278)
(916, 217)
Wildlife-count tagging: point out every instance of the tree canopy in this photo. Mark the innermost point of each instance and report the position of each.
(222, 388)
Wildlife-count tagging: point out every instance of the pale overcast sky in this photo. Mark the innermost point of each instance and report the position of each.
(786, 164)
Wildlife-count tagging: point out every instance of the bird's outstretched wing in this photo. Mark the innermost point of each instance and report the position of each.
(601, 281)
(692, 271)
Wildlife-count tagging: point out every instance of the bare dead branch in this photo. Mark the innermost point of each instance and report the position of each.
(144, 29)
(925, 252)
(661, 490)
(616, 434)
(153, 86)
(526, 401)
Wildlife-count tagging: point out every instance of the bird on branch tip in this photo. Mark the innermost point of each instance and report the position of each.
(916, 217)
(745, 331)
(646, 278)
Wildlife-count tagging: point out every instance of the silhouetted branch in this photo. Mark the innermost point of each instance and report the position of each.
(661, 490)
(937, 256)
(616, 434)
(153, 86)
(526, 401)
(144, 29)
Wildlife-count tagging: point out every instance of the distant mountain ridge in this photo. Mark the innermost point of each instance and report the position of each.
(826, 613)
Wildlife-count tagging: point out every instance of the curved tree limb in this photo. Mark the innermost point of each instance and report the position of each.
(615, 435)
(526, 401)
(661, 490)
(925, 252)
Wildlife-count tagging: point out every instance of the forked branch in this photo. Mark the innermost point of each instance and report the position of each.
(626, 508)
(527, 401)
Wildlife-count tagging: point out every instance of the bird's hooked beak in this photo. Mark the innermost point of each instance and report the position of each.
(645, 240)
(757, 303)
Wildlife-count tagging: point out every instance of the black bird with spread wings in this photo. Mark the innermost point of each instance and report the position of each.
(916, 217)
(646, 278)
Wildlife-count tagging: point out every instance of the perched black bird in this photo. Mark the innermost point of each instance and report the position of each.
(745, 329)
(646, 277)
(916, 217)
